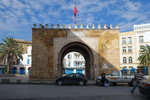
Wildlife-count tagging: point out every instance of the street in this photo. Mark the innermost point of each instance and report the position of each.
(71, 92)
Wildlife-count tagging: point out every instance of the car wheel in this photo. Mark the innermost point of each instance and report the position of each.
(59, 82)
(81, 83)
(97, 83)
(132, 83)
(114, 83)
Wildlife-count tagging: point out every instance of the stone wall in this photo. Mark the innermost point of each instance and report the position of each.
(106, 48)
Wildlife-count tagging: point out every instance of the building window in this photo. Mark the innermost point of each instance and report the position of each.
(21, 45)
(78, 63)
(124, 49)
(18, 61)
(140, 47)
(28, 61)
(75, 56)
(69, 64)
(141, 40)
(75, 63)
(69, 56)
(129, 40)
(130, 60)
(22, 70)
(129, 49)
(124, 60)
(123, 40)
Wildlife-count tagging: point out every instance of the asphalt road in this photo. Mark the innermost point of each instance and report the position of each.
(72, 92)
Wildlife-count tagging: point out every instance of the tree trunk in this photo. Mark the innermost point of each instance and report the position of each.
(7, 72)
(8, 64)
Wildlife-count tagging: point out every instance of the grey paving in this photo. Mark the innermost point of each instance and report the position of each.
(73, 92)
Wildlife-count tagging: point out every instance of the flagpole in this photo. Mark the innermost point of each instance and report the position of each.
(75, 11)
(75, 19)
(75, 15)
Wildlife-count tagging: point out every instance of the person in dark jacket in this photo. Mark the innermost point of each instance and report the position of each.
(103, 78)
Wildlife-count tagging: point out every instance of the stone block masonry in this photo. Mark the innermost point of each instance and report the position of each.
(50, 44)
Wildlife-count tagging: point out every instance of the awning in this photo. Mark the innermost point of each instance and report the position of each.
(124, 69)
(133, 69)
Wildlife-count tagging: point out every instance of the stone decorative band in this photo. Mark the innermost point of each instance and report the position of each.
(76, 26)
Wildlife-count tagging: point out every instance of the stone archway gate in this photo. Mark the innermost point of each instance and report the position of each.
(49, 46)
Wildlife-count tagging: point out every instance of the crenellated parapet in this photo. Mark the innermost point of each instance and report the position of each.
(75, 26)
(141, 27)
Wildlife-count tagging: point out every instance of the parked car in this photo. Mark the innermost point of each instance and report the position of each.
(144, 87)
(73, 78)
(117, 76)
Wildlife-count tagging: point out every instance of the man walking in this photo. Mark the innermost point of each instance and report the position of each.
(137, 78)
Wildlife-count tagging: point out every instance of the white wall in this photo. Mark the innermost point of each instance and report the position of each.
(142, 30)
(24, 62)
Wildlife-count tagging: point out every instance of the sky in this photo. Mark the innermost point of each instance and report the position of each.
(18, 16)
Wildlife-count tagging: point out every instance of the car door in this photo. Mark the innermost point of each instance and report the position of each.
(115, 77)
(78, 78)
(126, 76)
(68, 79)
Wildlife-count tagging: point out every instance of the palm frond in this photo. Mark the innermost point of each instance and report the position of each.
(144, 57)
(11, 49)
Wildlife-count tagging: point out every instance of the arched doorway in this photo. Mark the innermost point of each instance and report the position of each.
(82, 49)
(14, 70)
(74, 62)
(22, 71)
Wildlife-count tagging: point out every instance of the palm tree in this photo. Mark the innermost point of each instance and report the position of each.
(144, 57)
(10, 51)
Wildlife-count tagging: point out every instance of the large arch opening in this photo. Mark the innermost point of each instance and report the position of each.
(82, 49)
(73, 62)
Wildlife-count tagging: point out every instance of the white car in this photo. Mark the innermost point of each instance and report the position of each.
(118, 76)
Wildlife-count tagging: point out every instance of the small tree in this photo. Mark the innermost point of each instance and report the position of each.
(10, 51)
(144, 57)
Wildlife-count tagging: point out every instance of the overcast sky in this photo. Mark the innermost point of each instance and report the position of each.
(18, 16)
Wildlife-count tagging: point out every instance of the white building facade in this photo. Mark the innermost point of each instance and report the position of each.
(130, 43)
(142, 38)
(128, 58)
(23, 65)
(74, 62)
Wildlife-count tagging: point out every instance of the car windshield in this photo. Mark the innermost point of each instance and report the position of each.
(127, 72)
(146, 80)
(79, 75)
(115, 73)
(69, 75)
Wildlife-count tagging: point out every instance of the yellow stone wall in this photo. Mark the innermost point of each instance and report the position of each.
(42, 48)
(24, 44)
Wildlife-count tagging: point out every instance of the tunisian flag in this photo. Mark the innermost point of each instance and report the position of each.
(75, 10)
